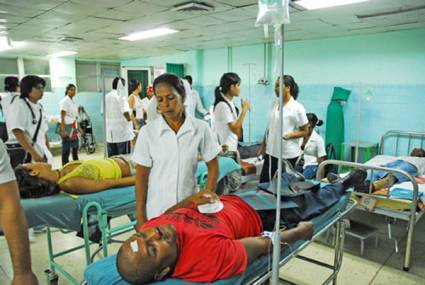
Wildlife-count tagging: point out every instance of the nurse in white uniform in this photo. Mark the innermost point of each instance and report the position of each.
(27, 122)
(314, 148)
(227, 122)
(294, 128)
(11, 88)
(167, 152)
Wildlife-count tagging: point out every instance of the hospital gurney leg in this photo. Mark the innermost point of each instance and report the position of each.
(411, 228)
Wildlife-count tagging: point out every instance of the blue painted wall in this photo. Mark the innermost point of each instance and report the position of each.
(384, 71)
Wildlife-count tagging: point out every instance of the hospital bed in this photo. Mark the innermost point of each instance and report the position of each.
(389, 204)
(67, 212)
(104, 271)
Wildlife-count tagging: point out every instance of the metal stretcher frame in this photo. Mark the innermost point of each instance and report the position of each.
(337, 222)
(107, 234)
(412, 216)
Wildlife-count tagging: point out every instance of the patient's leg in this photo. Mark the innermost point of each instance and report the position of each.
(386, 182)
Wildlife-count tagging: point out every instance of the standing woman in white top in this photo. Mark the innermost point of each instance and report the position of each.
(69, 124)
(167, 152)
(314, 148)
(227, 122)
(27, 124)
(135, 104)
(294, 128)
(11, 88)
(146, 102)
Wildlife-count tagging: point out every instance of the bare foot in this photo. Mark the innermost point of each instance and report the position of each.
(305, 230)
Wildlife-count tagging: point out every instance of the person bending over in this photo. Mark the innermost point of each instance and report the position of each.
(186, 244)
(77, 177)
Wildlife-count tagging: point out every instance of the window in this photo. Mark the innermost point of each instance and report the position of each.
(108, 73)
(92, 75)
(8, 67)
(40, 68)
(86, 73)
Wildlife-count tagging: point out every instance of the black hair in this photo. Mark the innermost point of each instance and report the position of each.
(227, 80)
(33, 186)
(289, 81)
(189, 79)
(11, 83)
(418, 152)
(28, 82)
(69, 86)
(172, 80)
(115, 82)
(132, 272)
(134, 84)
(313, 120)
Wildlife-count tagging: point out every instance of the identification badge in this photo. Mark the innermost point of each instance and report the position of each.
(368, 202)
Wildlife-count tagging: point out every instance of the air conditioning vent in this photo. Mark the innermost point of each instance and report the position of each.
(193, 6)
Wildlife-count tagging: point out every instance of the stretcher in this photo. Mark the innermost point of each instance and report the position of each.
(68, 212)
(104, 271)
(395, 143)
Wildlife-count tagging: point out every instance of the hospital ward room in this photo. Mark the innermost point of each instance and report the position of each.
(189, 142)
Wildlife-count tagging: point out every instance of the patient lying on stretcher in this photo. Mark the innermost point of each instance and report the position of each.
(187, 244)
(77, 177)
(413, 165)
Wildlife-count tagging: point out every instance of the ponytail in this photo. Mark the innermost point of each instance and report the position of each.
(227, 80)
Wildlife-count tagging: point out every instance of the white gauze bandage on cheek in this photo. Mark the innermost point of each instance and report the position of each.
(134, 246)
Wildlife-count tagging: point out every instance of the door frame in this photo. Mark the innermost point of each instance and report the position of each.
(124, 70)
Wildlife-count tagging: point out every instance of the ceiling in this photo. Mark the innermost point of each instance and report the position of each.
(92, 27)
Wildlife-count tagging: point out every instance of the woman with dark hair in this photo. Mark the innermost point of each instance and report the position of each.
(167, 152)
(146, 104)
(314, 148)
(77, 177)
(135, 104)
(11, 88)
(227, 122)
(69, 124)
(27, 124)
(295, 127)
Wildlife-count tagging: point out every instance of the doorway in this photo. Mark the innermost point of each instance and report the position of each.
(143, 75)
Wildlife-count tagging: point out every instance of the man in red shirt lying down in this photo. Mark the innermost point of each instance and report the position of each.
(187, 244)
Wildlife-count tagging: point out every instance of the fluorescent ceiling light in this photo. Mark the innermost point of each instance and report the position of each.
(319, 4)
(62, 53)
(148, 34)
(3, 21)
(7, 44)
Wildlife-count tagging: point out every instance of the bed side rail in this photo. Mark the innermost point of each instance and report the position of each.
(398, 135)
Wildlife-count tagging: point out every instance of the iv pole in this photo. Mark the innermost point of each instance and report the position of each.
(276, 237)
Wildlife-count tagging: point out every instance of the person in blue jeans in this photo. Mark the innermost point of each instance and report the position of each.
(413, 165)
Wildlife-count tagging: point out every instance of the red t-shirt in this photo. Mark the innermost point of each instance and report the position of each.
(209, 245)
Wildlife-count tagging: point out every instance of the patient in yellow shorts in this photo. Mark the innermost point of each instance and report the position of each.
(77, 177)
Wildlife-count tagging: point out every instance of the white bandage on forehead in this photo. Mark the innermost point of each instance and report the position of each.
(134, 246)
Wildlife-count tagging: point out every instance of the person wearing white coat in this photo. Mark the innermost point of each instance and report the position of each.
(167, 152)
(119, 131)
(27, 124)
(196, 100)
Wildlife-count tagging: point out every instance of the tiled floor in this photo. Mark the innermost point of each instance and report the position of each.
(377, 266)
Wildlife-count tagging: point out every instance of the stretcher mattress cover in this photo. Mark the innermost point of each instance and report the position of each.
(104, 272)
(62, 211)
(226, 165)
